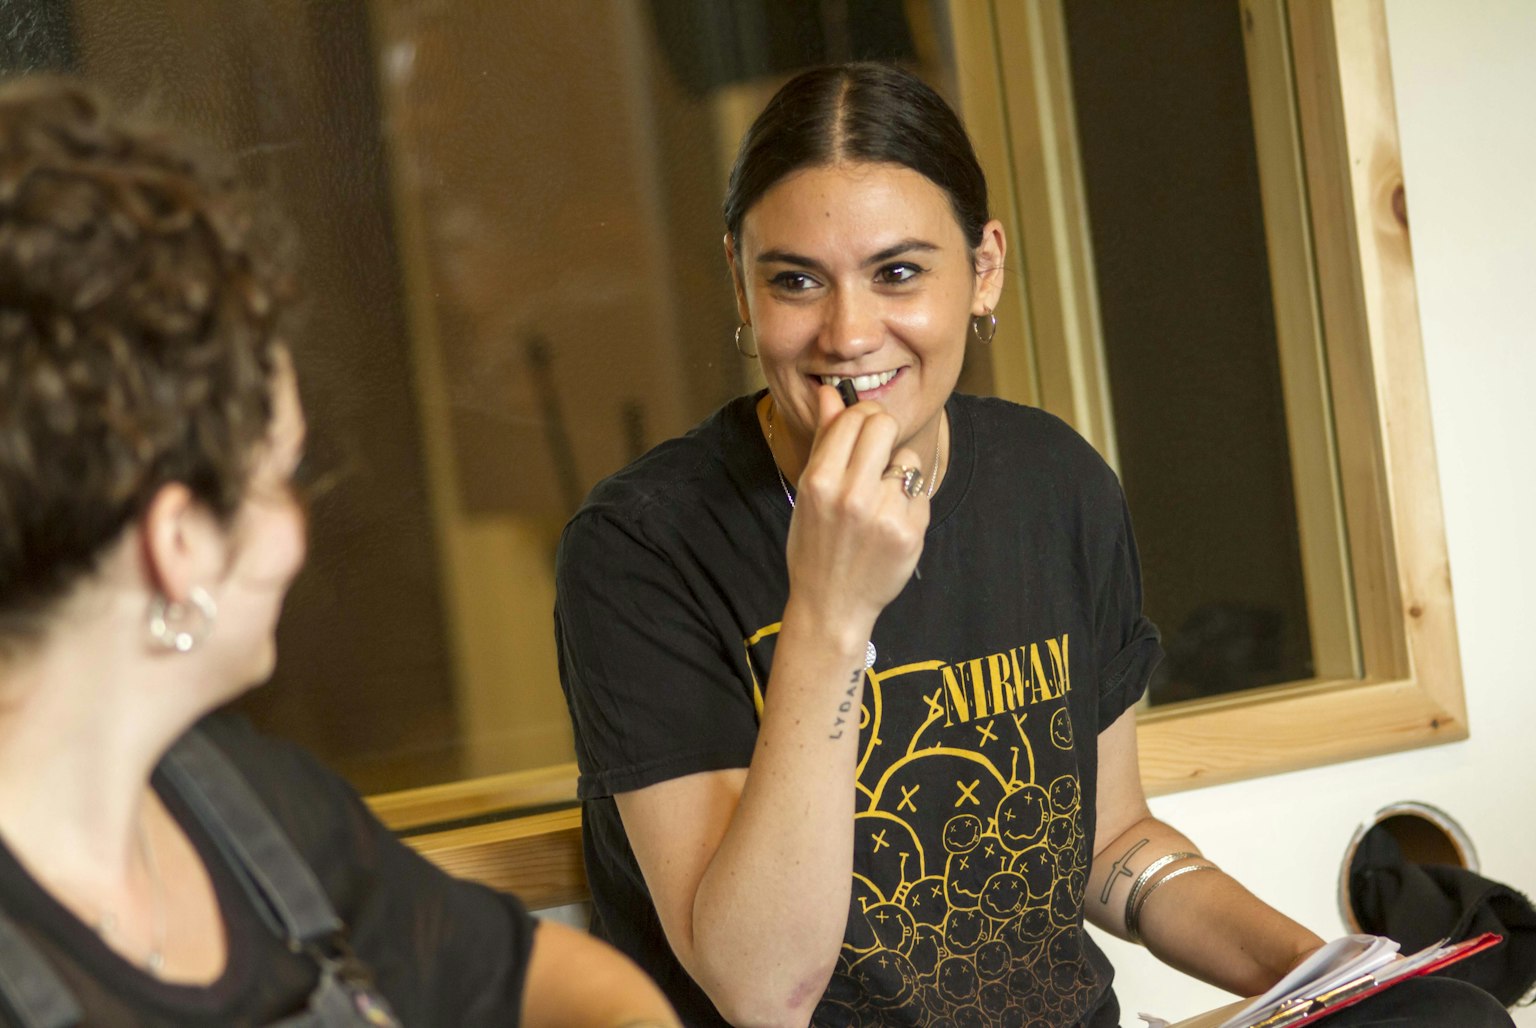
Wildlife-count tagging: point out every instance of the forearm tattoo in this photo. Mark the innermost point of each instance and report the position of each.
(1120, 869)
(845, 708)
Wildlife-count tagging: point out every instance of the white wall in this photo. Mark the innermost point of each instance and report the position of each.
(1465, 77)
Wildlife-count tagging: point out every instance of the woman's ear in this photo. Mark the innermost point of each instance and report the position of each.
(989, 268)
(182, 542)
(737, 281)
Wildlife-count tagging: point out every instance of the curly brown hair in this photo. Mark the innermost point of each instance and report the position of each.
(141, 300)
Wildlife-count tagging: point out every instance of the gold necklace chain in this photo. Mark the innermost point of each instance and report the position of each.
(784, 483)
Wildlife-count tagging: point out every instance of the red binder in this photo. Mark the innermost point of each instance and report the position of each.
(1310, 1008)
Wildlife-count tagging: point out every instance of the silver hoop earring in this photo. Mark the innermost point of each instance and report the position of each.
(744, 353)
(180, 627)
(991, 322)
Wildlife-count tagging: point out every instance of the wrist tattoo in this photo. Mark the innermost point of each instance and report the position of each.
(845, 708)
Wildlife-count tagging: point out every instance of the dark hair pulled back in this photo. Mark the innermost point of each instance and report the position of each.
(140, 298)
(866, 112)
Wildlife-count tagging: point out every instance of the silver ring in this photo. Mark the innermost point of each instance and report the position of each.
(911, 478)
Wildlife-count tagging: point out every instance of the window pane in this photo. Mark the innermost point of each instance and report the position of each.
(1163, 114)
(558, 169)
(507, 216)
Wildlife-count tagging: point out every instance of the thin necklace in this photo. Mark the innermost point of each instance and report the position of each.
(106, 925)
(784, 483)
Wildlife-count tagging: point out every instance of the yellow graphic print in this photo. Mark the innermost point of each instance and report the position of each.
(970, 860)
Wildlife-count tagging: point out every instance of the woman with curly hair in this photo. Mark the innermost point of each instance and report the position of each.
(158, 864)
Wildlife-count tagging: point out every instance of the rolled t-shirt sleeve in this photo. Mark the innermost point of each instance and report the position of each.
(654, 690)
(1127, 646)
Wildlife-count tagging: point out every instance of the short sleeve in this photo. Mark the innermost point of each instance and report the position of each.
(1127, 646)
(653, 669)
(446, 951)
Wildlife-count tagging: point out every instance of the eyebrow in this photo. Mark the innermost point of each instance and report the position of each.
(894, 250)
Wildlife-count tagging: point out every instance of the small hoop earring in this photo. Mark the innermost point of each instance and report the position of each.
(165, 618)
(744, 353)
(991, 322)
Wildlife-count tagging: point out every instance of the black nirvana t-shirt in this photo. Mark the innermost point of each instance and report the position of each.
(994, 673)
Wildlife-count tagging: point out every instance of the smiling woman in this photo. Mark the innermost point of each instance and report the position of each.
(721, 637)
(860, 271)
(850, 260)
(733, 812)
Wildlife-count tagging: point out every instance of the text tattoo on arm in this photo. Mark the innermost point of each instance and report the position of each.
(845, 708)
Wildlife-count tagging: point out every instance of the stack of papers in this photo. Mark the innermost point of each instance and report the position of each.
(1343, 970)
(1340, 963)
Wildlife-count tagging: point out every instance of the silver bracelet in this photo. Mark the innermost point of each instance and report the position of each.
(1151, 869)
(1133, 916)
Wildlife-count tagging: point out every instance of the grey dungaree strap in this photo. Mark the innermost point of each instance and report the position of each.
(278, 881)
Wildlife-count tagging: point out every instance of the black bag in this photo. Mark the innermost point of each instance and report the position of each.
(1421, 904)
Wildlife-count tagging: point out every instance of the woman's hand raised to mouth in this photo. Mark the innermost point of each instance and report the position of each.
(856, 535)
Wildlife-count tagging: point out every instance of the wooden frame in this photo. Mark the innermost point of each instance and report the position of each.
(1331, 624)
(1379, 603)
(1407, 690)
(1343, 269)
(979, 87)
